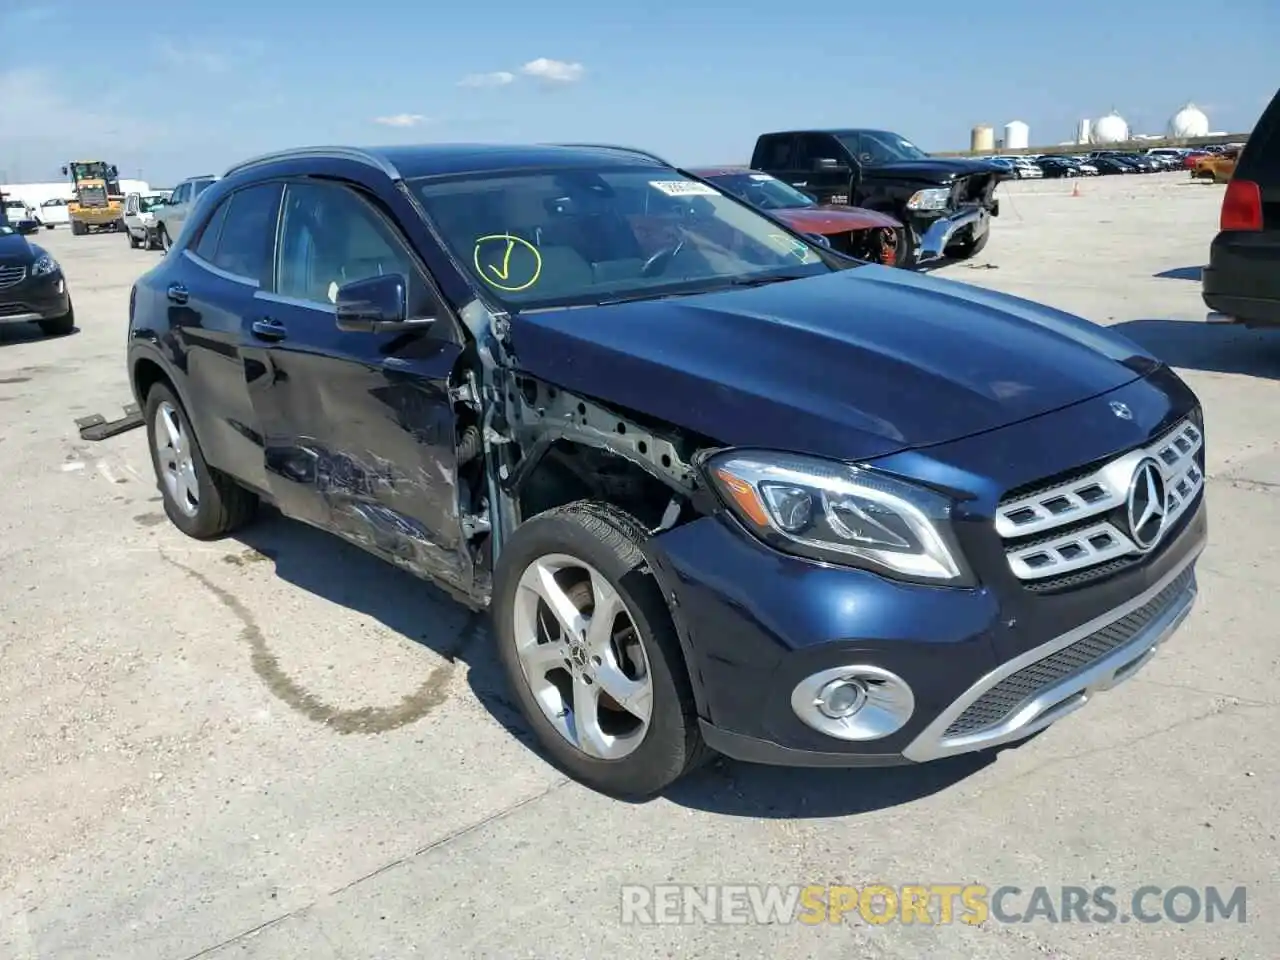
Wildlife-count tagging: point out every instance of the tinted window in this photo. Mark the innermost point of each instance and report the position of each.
(815, 146)
(208, 245)
(775, 153)
(199, 187)
(330, 236)
(180, 194)
(246, 241)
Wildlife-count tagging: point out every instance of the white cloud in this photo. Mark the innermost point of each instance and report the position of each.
(191, 57)
(401, 120)
(553, 71)
(499, 78)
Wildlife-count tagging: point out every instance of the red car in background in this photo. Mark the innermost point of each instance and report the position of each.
(855, 231)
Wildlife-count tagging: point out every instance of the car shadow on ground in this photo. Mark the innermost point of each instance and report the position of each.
(341, 573)
(12, 333)
(1212, 347)
(1179, 273)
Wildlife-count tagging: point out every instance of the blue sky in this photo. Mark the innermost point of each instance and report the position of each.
(173, 89)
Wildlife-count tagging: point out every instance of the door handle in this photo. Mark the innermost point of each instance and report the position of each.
(177, 293)
(269, 329)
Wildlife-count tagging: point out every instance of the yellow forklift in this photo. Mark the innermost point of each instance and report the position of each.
(98, 203)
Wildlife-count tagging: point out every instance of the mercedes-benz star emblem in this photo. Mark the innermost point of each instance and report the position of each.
(1121, 410)
(1147, 504)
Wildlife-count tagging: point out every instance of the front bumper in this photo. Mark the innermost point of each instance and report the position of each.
(938, 235)
(35, 299)
(986, 666)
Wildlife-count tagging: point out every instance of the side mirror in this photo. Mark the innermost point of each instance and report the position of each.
(374, 304)
(830, 165)
(819, 239)
(115, 173)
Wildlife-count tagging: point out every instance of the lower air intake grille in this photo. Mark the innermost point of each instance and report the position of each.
(1011, 692)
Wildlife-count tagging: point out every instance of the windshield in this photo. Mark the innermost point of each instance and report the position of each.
(874, 147)
(558, 237)
(762, 191)
(147, 204)
(89, 171)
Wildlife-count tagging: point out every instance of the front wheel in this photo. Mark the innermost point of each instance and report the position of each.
(588, 646)
(59, 326)
(134, 242)
(969, 246)
(201, 502)
(165, 243)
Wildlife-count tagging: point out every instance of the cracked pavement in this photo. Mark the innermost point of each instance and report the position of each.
(275, 746)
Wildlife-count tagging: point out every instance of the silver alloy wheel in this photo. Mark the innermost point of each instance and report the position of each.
(582, 657)
(173, 454)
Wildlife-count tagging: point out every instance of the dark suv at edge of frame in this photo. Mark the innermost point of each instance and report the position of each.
(720, 488)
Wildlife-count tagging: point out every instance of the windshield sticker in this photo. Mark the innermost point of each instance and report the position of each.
(791, 245)
(762, 176)
(507, 262)
(684, 188)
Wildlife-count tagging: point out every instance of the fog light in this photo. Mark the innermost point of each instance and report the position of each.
(856, 702)
(842, 698)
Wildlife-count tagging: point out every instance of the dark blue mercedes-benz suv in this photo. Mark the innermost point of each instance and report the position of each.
(720, 487)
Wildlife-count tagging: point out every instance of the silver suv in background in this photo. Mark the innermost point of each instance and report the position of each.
(170, 217)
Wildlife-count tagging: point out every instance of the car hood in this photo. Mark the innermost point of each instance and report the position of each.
(934, 170)
(852, 365)
(14, 248)
(830, 218)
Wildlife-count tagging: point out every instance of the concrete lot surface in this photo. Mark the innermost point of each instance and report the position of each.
(275, 746)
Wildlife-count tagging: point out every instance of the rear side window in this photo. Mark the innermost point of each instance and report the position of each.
(246, 232)
(208, 244)
(199, 187)
(775, 152)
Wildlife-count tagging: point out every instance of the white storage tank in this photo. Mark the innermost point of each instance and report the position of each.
(1083, 131)
(1190, 121)
(982, 139)
(1016, 135)
(1110, 129)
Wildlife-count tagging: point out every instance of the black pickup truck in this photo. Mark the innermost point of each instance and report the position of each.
(946, 202)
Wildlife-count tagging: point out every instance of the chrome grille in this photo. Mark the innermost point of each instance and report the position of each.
(10, 275)
(1081, 522)
(1017, 688)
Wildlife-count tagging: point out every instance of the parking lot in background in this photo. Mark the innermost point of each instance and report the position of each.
(275, 746)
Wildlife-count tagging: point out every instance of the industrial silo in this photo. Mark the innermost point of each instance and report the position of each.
(1190, 121)
(1083, 131)
(982, 139)
(1110, 129)
(1016, 135)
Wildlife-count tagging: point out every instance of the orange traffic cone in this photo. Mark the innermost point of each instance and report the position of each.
(1075, 189)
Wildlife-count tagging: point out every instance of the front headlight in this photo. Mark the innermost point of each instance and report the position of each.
(935, 198)
(837, 513)
(44, 265)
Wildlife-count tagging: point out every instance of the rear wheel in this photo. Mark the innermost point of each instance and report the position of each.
(202, 502)
(165, 243)
(588, 646)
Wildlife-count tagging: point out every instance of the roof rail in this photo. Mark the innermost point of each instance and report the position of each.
(332, 153)
(613, 146)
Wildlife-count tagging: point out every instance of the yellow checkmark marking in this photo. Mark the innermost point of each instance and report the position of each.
(505, 272)
(504, 279)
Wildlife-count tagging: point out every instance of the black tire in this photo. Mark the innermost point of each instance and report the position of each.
(134, 242)
(77, 228)
(224, 505)
(151, 242)
(969, 247)
(163, 234)
(609, 540)
(908, 249)
(60, 326)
